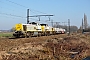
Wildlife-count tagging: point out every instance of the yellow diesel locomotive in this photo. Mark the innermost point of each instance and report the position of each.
(32, 29)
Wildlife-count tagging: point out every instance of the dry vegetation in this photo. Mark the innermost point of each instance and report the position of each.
(55, 47)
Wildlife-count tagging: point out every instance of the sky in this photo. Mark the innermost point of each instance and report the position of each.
(15, 11)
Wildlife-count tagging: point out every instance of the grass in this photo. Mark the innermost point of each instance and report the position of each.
(6, 34)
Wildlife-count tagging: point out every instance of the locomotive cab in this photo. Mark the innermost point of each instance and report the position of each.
(45, 29)
(20, 30)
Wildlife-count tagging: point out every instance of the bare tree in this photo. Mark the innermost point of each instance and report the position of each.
(85, 22)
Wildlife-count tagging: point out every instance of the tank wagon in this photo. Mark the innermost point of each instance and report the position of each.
(60, 31)
(33, 29)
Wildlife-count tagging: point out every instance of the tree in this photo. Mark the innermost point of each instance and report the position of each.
(85, 22)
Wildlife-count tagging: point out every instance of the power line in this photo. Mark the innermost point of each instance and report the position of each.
(11, 9)
(6, 8)
(16, 3)
(16, 16)
(25, 7)
(9, 13)
(12, 15)
(21, 6)
(32, 10)
(7, 3)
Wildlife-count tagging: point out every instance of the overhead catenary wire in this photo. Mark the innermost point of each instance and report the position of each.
(10, 9)
(16, 3)
(15, 16)
(12, 15)
(32, 10)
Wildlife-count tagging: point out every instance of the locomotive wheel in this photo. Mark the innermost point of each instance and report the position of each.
(28, 35)
(39, 34)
